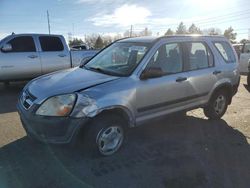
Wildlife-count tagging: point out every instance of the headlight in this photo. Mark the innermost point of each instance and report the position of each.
(57, 106)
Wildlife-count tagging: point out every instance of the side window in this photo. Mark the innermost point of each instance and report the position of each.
(226, 51)
(246, 48)
(51, 44)
(22, 44)
(169, 58)
(198, 56)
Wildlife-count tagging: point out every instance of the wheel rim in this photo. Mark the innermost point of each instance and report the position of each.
(219, 105)
(109, 140)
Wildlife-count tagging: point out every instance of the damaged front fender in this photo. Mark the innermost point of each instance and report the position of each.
(87, 107)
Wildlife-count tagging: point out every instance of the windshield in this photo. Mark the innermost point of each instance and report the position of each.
(119, 59)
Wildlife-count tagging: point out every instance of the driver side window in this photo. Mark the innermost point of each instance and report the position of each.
(22, 44)
(168, 58)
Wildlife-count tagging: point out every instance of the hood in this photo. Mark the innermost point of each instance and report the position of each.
(66, 81)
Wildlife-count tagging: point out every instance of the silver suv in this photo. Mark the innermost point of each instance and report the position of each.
(128, 83)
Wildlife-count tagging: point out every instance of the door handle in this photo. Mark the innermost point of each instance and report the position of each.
(32, 56)
(181, 79)
(61, 55)
(216, 72)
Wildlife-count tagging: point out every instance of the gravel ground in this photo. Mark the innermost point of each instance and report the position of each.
(172, 152)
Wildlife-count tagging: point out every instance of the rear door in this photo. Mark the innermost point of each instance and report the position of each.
(22, 62)
(199, 65)
(54, 54)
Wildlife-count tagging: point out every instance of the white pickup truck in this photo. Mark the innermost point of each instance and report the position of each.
(26, 56)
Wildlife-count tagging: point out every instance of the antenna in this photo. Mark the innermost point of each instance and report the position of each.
(48, 21)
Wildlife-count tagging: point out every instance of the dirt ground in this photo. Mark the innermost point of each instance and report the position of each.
(172, 152)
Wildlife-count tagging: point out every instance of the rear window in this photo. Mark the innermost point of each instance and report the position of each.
(198, 56)
(50, 44)
(226, 51)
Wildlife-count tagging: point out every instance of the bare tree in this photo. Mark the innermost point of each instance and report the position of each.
(145, 32)
(91, 39)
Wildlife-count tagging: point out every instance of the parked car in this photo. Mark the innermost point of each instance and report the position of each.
(244, 58)
(151, 77)
(26, 56)
(80, 47)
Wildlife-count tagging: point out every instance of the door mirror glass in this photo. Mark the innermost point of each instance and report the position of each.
(151, 72)
(7, 48)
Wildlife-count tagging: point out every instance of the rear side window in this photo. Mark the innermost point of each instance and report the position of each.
(226, 51)
(198, 56)
(22, 44)
(51, 44)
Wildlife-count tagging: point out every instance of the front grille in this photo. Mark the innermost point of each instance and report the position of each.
(27, 99)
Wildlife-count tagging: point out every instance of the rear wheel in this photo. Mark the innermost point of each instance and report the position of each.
(105, 135)
(217, 105)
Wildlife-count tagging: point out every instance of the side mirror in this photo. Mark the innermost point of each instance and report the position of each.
(84, 61)
(6, 48)
(151, 72)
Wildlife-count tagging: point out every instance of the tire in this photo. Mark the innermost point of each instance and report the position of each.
(104, 136)
(217, 105)
(248, 79)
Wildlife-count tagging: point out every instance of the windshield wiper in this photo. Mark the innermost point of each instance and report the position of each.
(100, 70)
(97, 69)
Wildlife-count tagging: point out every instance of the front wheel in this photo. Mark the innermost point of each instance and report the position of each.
(217, 105)
(105, 135)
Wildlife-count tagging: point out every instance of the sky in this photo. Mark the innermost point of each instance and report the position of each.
(111, 17)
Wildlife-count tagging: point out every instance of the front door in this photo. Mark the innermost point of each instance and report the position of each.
(199, 65)
(20, 62)
(165, 94)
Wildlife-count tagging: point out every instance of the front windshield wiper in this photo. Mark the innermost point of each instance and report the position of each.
(100, 70)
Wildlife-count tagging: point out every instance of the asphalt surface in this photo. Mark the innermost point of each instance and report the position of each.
(172, 152)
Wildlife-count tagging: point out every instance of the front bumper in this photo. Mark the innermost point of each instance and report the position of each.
(55, 130)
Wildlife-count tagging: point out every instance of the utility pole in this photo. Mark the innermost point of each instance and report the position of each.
(48, 21)
(131, 31)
